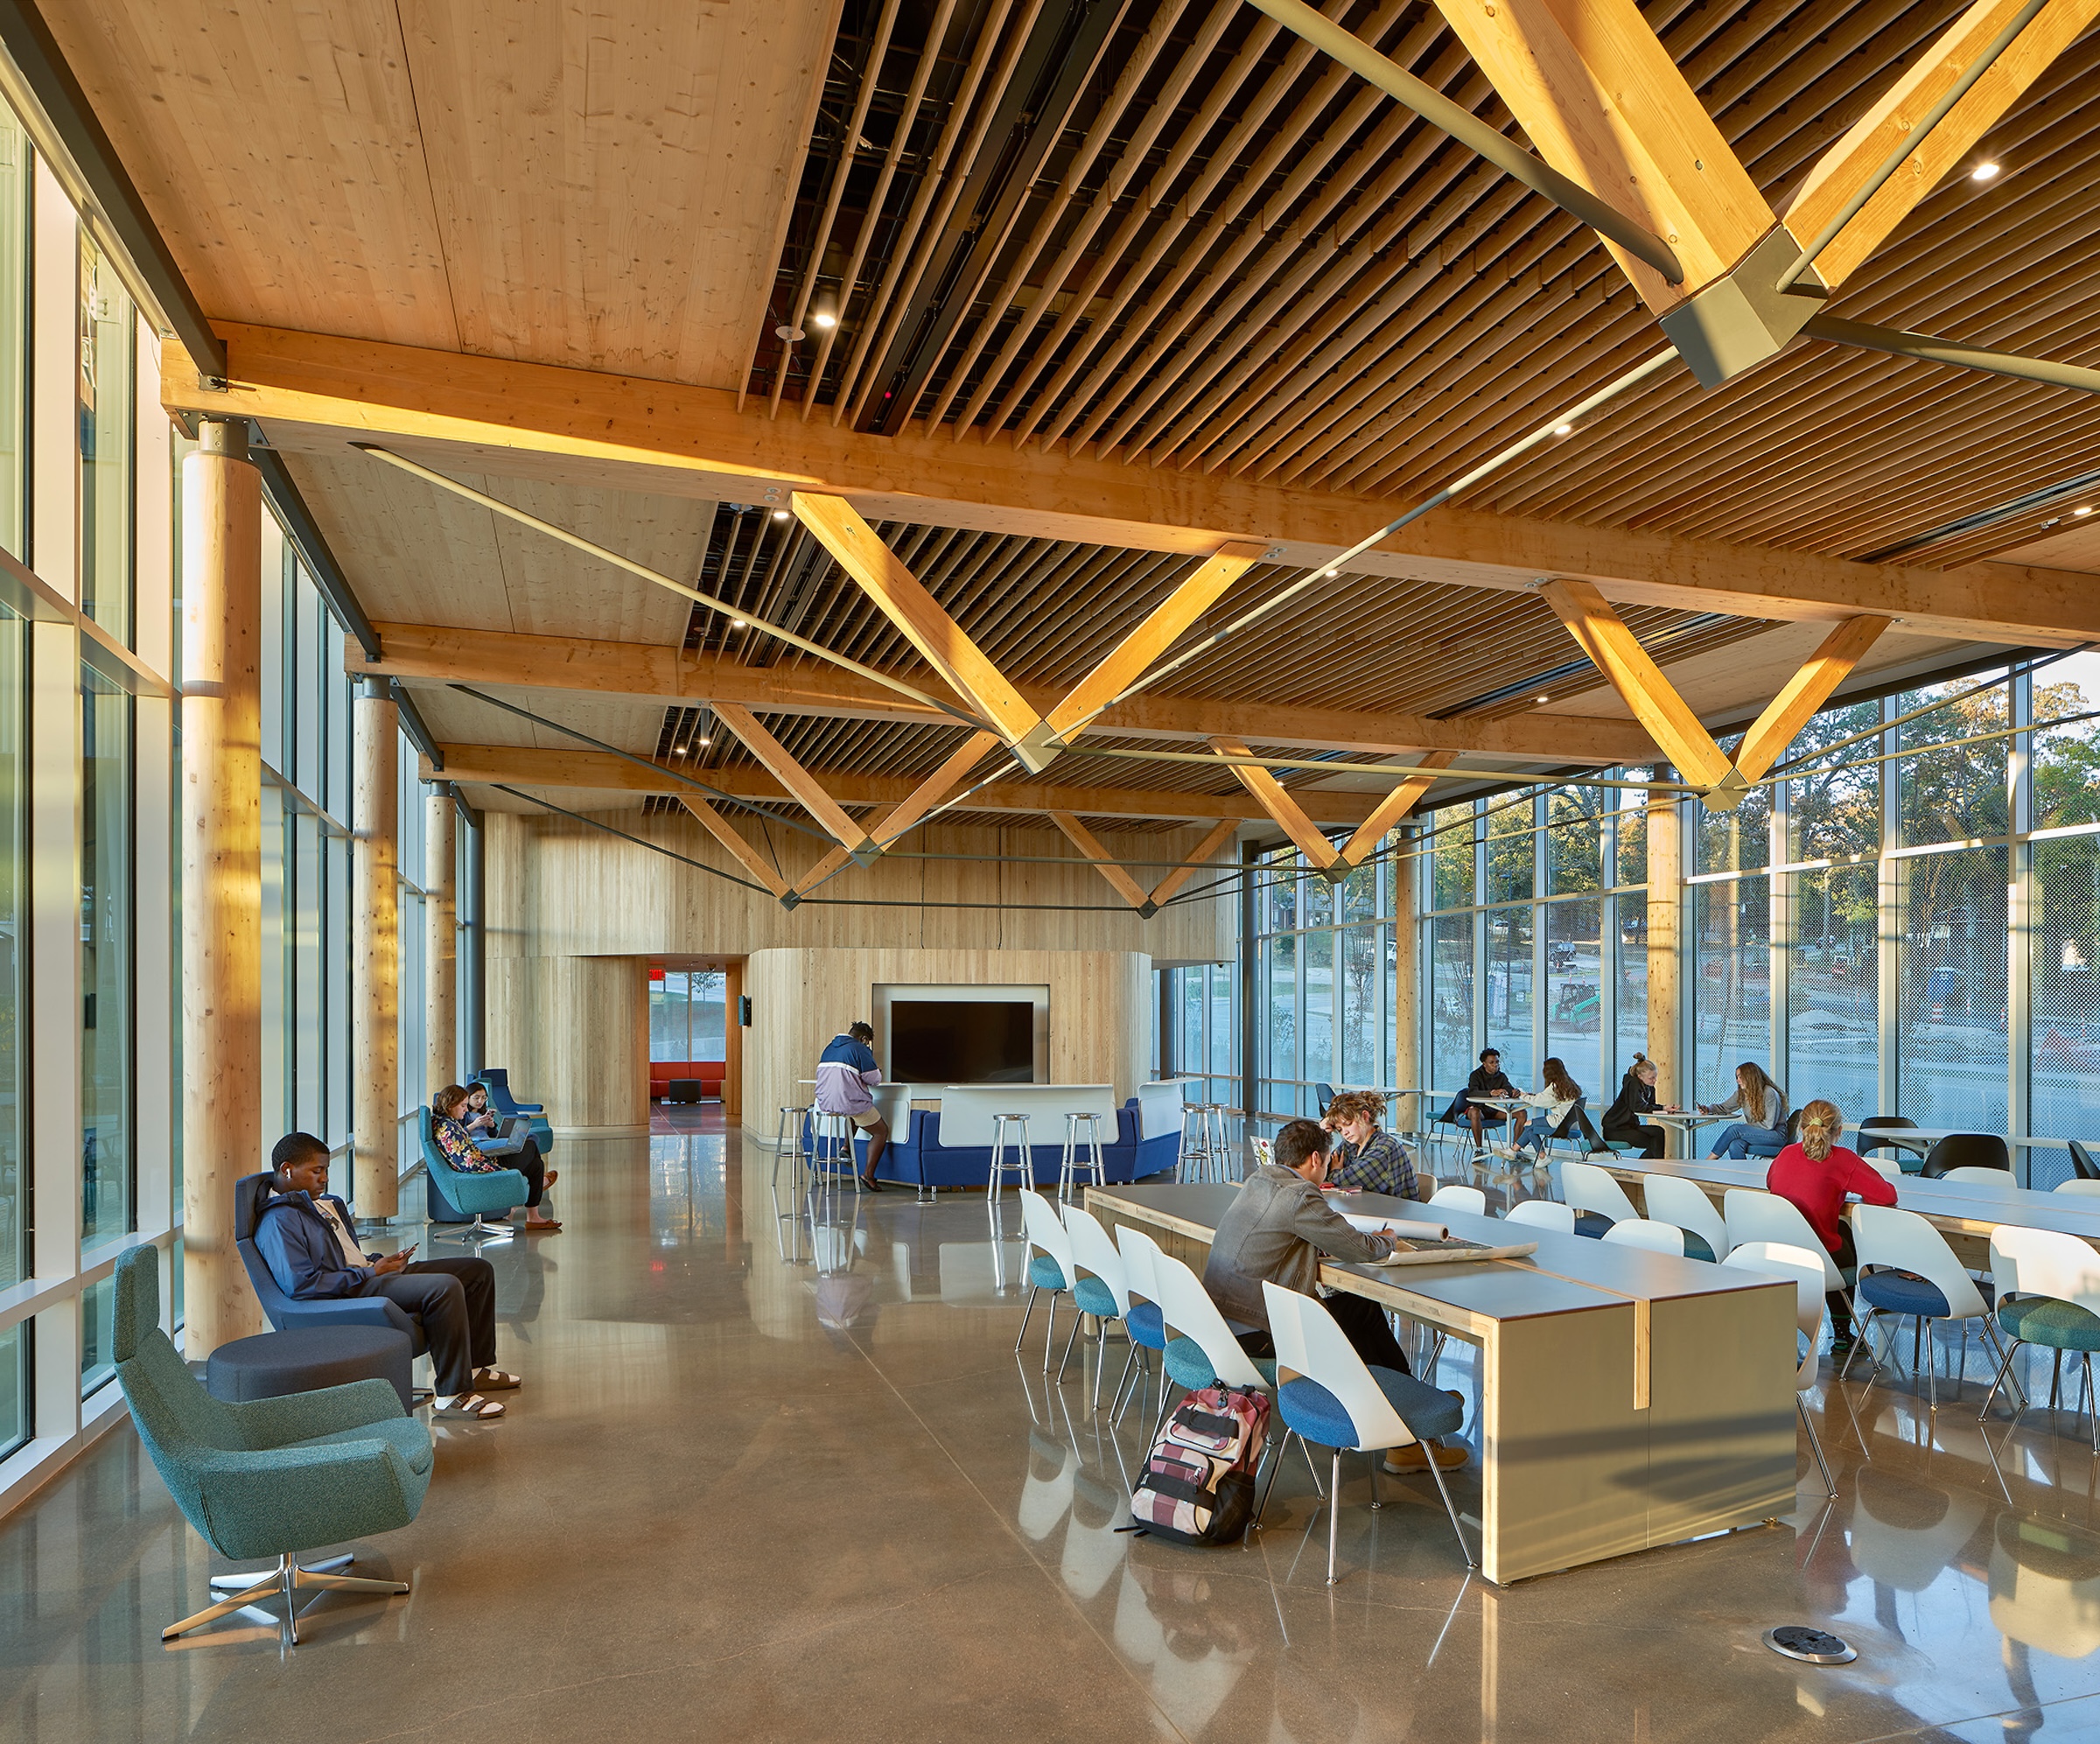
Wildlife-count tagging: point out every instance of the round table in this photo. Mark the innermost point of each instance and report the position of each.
(307, 1358)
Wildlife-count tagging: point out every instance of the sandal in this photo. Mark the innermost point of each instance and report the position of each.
(549, 1179)
(541, 1226)
(471, 1406)
(495, 1379)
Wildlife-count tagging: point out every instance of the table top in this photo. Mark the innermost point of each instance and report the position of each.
(1567, 1273)
(1974, 1205)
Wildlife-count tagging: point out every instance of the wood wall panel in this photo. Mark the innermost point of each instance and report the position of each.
(557, 888)
(1100, 1011)
(573, 1031)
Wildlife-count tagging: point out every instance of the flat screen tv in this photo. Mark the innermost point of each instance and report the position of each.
(962, 1041)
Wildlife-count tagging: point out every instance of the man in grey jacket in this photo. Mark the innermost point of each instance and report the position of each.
(1276, 1230)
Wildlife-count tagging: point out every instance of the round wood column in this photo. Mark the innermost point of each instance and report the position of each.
(375, 954)
(441, 944)
(221, 875)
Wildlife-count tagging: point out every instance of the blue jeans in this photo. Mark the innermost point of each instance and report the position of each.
(1743, 1140)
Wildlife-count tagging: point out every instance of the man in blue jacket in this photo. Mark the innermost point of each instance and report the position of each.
(846, 1074)
(302, 1233)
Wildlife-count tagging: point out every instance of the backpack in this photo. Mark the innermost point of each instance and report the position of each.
(1198, 1483)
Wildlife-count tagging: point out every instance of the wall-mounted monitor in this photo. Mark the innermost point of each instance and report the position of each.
(960, 1034)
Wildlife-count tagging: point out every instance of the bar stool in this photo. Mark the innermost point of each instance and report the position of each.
(1069, 1170)
(1225, 1156)
(1002, 1135)
(786, 1137)
(831, 1143)
(1193, 1162)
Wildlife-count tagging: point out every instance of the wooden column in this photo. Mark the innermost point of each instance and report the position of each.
(1406, 989)
(441, 949)
(1665, 952)
(374, 956)
(221, 875)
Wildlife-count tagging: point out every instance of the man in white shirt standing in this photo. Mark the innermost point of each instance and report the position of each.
(846, 1072)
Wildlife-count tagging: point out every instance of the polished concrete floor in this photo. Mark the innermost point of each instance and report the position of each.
(774, 1477)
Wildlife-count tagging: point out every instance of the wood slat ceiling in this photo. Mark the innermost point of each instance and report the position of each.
(1218, 249)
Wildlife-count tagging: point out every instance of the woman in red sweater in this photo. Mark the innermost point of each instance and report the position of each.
(1816, 1174)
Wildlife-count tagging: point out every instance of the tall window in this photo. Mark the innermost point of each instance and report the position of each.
(108, 333)
(14, 1206)
(14, 330)
(108, 1161)
(688, 1014)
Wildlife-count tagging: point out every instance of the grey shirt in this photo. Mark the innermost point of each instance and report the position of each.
(1277, 1230)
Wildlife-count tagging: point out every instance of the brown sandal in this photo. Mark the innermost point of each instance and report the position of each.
(471, 1406)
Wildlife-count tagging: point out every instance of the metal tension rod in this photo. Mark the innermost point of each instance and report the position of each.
(497, 506)
(1909, 143)
(1474, 134)
(1899, 343)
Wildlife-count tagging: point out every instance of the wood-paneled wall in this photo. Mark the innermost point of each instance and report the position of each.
(1100, 1011)
(574, 1033)
(556, 888)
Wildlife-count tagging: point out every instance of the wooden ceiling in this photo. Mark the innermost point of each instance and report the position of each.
(1158, 234)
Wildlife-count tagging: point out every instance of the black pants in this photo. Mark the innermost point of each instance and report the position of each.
(455, 1302)
(1362, 1322)
(1847, 1256)
(533, 1167)
(1649, 1138)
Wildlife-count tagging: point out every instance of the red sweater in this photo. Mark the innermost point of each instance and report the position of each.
(1819, 1188)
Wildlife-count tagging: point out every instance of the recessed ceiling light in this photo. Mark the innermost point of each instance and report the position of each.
(736, 623)
(1563, 430)
(1984, 172)
(824, 318)
(704, 741)
(780, 515)
(2087, 509)
(1541, 699)
(1330, 572)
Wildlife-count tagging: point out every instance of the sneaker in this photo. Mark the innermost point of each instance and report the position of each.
(1841, 1343)
(1404, 1461)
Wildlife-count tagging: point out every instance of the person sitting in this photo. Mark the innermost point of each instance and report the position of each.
(302, 1233)
(485, 1125)
(1487, 1079)
(1622, 1122)
(1816, 1173)
(1557, 1102)
(450, 1132)
(1762, 1130)
(1276, 1229)
(1369, 1158)
(846, 1074)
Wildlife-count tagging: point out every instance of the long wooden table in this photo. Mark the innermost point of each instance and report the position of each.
(1627, 1398)
(1965, 1212)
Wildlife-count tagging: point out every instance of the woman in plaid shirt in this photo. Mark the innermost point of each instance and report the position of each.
(1369, 1160)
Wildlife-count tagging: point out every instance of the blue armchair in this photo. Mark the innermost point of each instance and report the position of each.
(270, 1477)
(283, 1312)
(497, 1078)
(454, 1196)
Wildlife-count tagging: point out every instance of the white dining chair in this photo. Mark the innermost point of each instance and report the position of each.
(1673, 1200)
(1049, 1268)
(1907, 1270)
(1472, 1201)
(1777, 1259)
(1144, 1321)
(1645, 1232)
(1596, 1197)
(1977, 1177)
(1542, 1214)
(1752, 1214)
(1335, 1401)
(2046, 1288)
(1100, 1288)
(2075, 1188)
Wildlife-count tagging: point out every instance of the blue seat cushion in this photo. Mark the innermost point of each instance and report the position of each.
(1318, 1416)
(1096, 1298)
(1187, 1365)
(1902, 1292)
(1697, 1247)
(1046, 1273)
(2042, 1320)
(1592, 1224)
(1146, 1325)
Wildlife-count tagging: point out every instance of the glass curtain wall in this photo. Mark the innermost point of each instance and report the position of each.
(1202, 1001)
(1325, 972)
(688, 1011)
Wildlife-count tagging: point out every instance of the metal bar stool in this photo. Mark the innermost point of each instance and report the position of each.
(1002, 1125)
(787, 1138)
(1193, 1162)
(1224, 1159)
(831, 1144)
(1074, 1161)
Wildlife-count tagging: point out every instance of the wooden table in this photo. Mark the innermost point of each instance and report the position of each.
(1965, 1212)
(1627, 1398)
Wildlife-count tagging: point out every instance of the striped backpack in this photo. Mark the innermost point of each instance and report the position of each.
(1198, 1483)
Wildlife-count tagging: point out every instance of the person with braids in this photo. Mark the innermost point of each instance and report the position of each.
(1816, 1173)
(1369, 1160)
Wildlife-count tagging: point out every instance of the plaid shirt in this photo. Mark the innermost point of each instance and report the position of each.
(1382, 1166)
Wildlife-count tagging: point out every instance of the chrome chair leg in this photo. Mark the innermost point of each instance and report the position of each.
(1334, 1518)
(1026, 1311)
(1450, 1512)
(1275, 1464)
(2005, 1368)
(1078, 1320)
(1816, 1445)
(286, 1581)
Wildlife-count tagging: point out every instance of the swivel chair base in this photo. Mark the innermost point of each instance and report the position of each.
(479, 1231)
(287, 1580)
